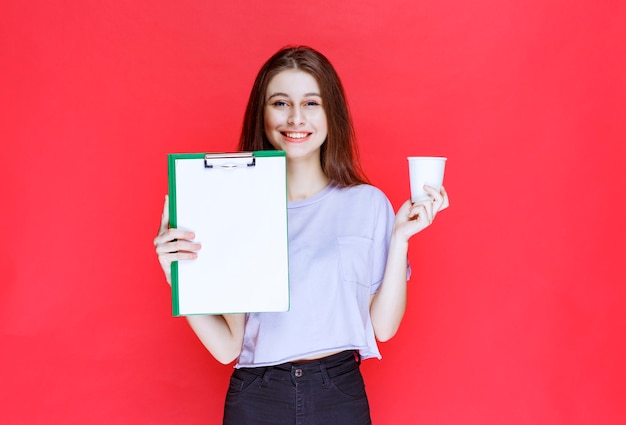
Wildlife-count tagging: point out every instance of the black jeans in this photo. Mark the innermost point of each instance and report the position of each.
(320, 392)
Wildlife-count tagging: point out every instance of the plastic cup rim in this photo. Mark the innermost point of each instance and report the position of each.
(427, 157)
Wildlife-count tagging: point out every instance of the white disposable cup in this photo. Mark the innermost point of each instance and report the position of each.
(425, 170)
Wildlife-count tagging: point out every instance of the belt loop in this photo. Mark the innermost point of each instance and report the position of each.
(357, 357)
(325, 378)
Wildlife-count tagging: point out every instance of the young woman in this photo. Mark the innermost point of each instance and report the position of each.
(347, 258)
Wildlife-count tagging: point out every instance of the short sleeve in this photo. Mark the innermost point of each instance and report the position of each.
(384, 219)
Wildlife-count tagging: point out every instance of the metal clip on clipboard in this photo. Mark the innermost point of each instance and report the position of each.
(229, 160)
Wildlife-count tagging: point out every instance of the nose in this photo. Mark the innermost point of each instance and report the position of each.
(296, 117)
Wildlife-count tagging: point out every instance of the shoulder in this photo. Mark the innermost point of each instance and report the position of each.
(363, 194)
(364, 210)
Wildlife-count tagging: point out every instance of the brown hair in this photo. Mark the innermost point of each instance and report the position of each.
(339, 154)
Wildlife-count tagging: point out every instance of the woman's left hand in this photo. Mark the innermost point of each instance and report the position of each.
(412, 217)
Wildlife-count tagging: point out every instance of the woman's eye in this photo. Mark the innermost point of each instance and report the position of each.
(280, 104)
(312, 103)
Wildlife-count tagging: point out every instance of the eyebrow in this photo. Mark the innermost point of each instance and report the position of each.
(286, 95)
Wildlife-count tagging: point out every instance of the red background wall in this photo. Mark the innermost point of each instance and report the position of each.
(516, 310)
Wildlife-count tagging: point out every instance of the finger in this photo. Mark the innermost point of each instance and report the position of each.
(178, 246)
(165, 216)
(419, 212)
(169, 235)
(446, 201)
(405, 209)
(424, 202)
(430, 211)
(441, 199)
(437, 198)
(415, 208)
(432, 192)
(166, 260)
(422, 212)
(418, 223)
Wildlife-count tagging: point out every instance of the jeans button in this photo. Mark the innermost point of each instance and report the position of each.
(298, 373)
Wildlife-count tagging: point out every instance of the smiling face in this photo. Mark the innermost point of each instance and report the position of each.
(294, 116)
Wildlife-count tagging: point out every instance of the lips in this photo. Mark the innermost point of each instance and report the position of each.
(295, 136)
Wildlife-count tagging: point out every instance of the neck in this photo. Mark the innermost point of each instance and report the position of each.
(304, 180)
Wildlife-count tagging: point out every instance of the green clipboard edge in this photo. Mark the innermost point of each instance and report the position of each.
(171, 181)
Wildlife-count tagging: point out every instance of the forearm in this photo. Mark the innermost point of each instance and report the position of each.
(222, 335)
(389, 303)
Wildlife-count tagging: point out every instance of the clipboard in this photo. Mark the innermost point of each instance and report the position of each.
(236, 203)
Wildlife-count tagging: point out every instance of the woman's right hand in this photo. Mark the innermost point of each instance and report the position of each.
(173, 244)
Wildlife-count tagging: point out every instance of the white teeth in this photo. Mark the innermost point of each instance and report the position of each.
(296, 135)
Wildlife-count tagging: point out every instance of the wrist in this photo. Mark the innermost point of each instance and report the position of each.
(399, 240)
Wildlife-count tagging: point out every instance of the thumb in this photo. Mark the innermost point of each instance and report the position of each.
(406, 207)
(165, 217)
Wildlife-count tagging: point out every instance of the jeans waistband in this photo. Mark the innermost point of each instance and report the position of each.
(333, 365)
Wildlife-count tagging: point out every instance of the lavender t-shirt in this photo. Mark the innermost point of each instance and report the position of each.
(338, 243)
